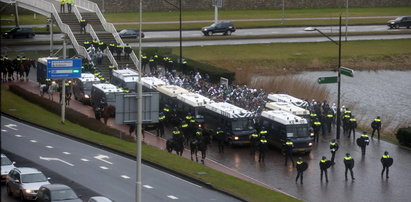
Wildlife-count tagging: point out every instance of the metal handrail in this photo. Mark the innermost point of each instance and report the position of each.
(108, 27)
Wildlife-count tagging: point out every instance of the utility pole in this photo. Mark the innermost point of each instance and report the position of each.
(139, 114)
(50, 21)
(63, 91)
(16, 14)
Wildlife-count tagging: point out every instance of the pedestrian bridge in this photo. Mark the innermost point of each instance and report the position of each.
(97, 28)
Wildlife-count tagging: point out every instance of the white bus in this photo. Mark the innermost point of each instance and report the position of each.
(288, 99)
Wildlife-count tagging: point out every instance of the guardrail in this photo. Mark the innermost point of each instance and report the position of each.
(108, 27)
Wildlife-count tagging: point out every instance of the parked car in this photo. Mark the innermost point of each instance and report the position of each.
(6, 166)
(25, 182)
(57, 192)
(130, 33)
(19, 32)
(224, 27)
(403, 21)
(99, 199)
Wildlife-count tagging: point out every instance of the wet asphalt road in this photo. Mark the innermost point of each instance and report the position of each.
(368, 185)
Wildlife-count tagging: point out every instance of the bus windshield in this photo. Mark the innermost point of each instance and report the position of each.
(241, 125)
(297, 131)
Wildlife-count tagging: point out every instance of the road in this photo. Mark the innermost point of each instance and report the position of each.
(101, 171)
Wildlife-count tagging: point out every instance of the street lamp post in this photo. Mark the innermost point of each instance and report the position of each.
(179, 7)
(339, 73)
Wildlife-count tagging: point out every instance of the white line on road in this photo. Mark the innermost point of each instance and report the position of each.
(181, 179)
(18, 135)
(55, 159)
(103, 167)
(11, 126)
(50, 147)
(84, 160)
(2, 130)
(66, 153)
(125, 177)
(34, 141)
(148, 186)
(172, 197)
(101, 157)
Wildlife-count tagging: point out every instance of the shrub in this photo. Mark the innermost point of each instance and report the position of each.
(71, 115)
(404, 136)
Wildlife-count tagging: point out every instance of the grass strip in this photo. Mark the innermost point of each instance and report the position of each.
(18, 107)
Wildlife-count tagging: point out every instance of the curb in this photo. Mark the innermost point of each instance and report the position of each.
(127, 155)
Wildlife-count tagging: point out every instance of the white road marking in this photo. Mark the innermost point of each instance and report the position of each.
(18, 135)
(2, 130)
(50, 147)
(148, 186)
(181, 179)
(103, 167)
(34, 141)
(66, 153)
(125, 177)
(55, 159)
(101, 157)
(11, 126)
(84, 160)
(172, 197)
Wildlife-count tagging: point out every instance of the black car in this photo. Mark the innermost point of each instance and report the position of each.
(404, 21)
(130, 33)
(19, 32)
(224, 27)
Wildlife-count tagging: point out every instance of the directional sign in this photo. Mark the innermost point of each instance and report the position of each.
(330, 79)
(63, 68)
(346, 71)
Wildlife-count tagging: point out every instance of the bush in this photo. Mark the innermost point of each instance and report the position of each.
(71, 115)
(404, 136)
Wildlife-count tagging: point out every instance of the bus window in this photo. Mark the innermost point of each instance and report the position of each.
(297, 131)
(241, 125)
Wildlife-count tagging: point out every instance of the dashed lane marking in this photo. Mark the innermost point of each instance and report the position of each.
(2, 130)
(103, 167)
(84, 160)
(50, 147)
(148, 186)
(125, 177)
(34, 141)
(18, 135)
(172, 197)
(66, 153)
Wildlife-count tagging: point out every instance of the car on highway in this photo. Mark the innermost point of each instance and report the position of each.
(19, 32)
(130, 33)
(57, 192)
(6, 166)
(225, 27)
(25, 182)
(403, 21)
(99, 199)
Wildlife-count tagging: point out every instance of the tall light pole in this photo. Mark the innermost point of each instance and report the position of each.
(139, 115)
(339, 73)
(179, 7)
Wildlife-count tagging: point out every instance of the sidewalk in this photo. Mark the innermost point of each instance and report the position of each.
(149, 138)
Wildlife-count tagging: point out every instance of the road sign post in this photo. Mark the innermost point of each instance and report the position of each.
(329, 79)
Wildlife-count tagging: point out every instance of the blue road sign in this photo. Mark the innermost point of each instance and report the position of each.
(63, 68)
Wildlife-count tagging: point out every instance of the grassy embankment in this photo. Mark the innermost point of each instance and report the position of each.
(235, 15)
(17, 106)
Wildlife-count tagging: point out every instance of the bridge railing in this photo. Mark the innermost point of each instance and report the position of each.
(108, 27)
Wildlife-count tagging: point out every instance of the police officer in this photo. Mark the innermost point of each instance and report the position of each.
(324, 163)
(152, 64)
(316, 128)
(345, 120)
(86, 43)
(363, 142)
(102, 46)
(333, 148)
(199, 134)
(352, 125)
(119, 50)
(376, 126)
(301, 167)
(386, 161)
(127, 51)
(62, 6)
(329, 120)
(160, 128)
(288, 151)
(262, 148)
(176, 134)
(263, 132)
(185, 129)
(221, 137)
(112, 47)
(144, 62)
(349, 165)
(69, 4)
(254, 140)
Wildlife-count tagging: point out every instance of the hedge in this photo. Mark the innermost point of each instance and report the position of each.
(404, 136)
(71, 115)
